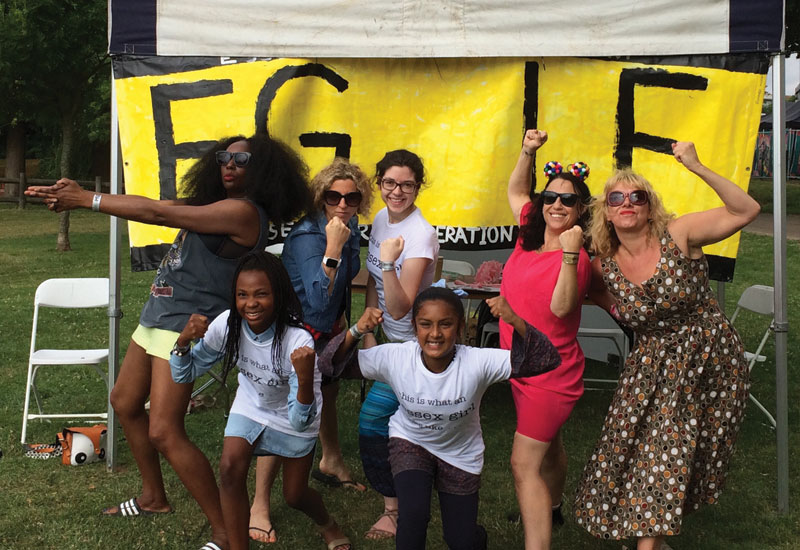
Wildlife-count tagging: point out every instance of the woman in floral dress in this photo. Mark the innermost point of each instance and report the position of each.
(670, 430)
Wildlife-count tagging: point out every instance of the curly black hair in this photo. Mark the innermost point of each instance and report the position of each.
(531, 234)
(276, 178)
(287, 309)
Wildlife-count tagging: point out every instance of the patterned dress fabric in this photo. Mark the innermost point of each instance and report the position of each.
(673, 421)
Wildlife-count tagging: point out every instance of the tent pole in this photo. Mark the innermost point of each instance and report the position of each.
(779, 251)
(114, 309)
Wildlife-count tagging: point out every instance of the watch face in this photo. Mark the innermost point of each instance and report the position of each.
(331, 262)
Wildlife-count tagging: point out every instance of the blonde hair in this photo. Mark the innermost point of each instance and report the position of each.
(601, 231)
(341, 169)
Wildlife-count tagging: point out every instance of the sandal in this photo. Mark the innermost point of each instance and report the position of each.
(131, 508)
(333, 481)
(342, 541)
(375, 533)
(264, 536)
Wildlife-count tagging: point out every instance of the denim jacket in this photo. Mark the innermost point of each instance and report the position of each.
(302, 255)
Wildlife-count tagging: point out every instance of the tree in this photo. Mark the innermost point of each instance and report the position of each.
(793, 26)
(59, 57)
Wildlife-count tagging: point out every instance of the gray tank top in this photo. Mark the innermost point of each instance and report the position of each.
(193, 279)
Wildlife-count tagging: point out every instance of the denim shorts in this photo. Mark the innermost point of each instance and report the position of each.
(267, 441)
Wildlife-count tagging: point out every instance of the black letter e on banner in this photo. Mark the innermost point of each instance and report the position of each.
(627, 137)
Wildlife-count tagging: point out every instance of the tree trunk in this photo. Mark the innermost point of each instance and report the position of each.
(15, 157)
(67, 141)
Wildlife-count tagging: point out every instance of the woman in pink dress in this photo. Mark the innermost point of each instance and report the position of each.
(545, 281)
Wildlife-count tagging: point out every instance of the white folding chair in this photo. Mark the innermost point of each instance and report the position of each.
(758, 299)
(64, 293)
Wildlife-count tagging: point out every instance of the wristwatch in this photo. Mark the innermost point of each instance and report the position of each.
(180, 351)
(327, 261)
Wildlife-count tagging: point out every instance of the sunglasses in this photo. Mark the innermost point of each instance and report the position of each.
(617, 198)
(239, 159)
(406, 187)
(567, 199)
(332, 198)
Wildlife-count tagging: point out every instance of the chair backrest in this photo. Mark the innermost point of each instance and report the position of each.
(457, 267)
(72, 293)
(758, 299)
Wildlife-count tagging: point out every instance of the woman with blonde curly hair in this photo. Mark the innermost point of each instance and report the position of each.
(321, 255)
(671, 426)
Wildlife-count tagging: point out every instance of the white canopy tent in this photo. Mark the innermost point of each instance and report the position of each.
(466, 28)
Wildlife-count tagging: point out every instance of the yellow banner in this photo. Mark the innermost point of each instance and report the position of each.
(464, 117)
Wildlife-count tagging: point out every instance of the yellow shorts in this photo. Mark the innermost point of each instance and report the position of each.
(155, 341)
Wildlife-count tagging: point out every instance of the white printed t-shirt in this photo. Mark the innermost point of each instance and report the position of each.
(438, 412)
(420, 242)
(263, 386)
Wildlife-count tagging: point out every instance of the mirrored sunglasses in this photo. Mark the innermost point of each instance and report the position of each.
(567, 199)
(239, 159)
(332, 198)
(637, 198)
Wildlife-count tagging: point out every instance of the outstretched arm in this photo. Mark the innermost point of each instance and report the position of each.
(235, 218)
(519, 183)
(338, 359)
(711, 226)
(532, 352)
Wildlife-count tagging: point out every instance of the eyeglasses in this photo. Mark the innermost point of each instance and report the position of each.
(567, 199)
(637, 198)
(239, 159)
(332, 198)
(407, 187)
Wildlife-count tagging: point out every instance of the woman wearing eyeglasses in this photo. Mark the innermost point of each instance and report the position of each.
(321, 255)
(401, 260)
(545, 280)
(232, 193)
(674, 418)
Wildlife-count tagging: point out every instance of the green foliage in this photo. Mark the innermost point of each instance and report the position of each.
(54, 70)
(761, 190)
(46, 505)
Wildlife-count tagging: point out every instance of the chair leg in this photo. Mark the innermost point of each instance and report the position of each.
(763, 409)
(35, 391)
(27, 405)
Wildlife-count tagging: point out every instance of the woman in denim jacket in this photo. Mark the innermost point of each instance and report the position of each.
(321, 255)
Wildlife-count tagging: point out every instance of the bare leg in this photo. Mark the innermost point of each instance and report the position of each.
(233, 467)
(261, 529)
(649, 543)
(332, 461)
(128, 398)
(301, 497)
(168, 402)
(554, 469)
(533, 494)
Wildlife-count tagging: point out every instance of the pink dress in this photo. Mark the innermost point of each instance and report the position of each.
(544, 402)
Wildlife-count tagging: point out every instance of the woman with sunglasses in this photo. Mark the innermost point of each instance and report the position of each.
(401, 260)
(545, 280)
(674, 418)
(231, 194)
(321, 255)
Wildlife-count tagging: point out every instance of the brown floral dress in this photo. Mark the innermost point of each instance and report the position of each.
(671, 427)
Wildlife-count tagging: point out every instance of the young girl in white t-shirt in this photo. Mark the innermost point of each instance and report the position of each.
(435, 435)
(276, 409)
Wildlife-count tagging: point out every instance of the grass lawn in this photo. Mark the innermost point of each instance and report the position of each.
(46, 505)
(761, 190)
